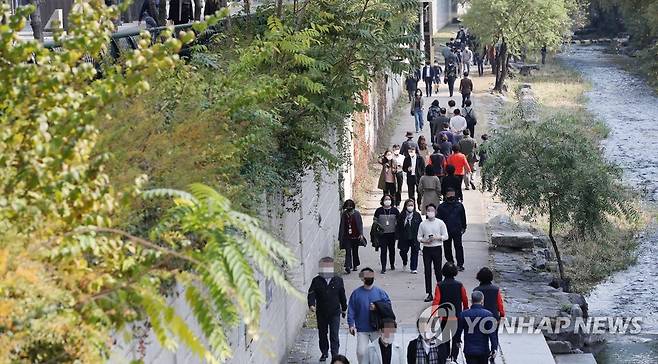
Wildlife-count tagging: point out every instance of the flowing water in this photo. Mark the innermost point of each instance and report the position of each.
(630, 109)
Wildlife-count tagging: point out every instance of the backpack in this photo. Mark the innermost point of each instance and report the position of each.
(470, 120)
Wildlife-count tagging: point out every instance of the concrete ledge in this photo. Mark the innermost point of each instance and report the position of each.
(586, 358)
(525, 349)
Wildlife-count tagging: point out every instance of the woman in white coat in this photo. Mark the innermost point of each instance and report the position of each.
(384, 350)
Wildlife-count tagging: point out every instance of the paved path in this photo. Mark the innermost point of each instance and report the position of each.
(407, 290)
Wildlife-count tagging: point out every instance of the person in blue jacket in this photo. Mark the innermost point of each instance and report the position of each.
(360, 304)
(478, 326)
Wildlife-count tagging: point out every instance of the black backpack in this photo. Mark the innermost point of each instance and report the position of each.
(470, 120)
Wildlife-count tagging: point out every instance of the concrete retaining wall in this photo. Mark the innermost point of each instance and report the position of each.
(442, 14)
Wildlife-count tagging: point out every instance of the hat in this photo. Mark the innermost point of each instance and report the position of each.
(409, 134)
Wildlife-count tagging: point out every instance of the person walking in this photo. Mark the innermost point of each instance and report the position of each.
(429, 189)
(414, 166)
(441, 122)
(399, 175)
(426, 348)
(361, 303)
(451, 291)
(417, 110)
(459, 161)
(411, 84)
(479, 60)
(478, 337)
(438, 162)
(438, 72)
(423, 148)
(493, 298)
(350, 235)
(467, 59)
(487, 184)
(450, 77)
(445, 146)
(544, 51)
(468, 147)
(385, 350)
(408, 145)
(465, 88)
(457, 126)
(452, 105)
(453, 214)
(428, 78)
(433, 117)
(471, 118)
(387, 177)
(326, 297)
(451, 182)
(407, 231)
(431, 234)
(339, 359)
(386, 216)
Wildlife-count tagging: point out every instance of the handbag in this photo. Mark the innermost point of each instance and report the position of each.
(412, 112)
(363, 241)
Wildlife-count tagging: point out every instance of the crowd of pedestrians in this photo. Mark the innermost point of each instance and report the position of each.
(430, 222)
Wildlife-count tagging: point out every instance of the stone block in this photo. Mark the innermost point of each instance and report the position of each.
(559, 347)
(512, 239)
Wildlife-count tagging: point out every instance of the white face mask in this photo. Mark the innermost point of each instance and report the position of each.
(412, 155)
(410, 208)
(388, 340)
(431, 214)
(396, 152)
(389, 157)
(387, 203)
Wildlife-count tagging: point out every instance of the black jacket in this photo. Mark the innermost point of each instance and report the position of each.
(451, 182)
(452, 213)
(328, 299)
(420, 166)
(383, 310)
(412, 351)
(407, 235)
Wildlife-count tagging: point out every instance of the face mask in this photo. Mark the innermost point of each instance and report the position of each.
(396, 152)
(431, 214)
(410, 208)
(368, 281)
(388, 339)
(428, 336)
(412, 155)
(389, 157)
(326, 272)
(387, 203)
(451, 198)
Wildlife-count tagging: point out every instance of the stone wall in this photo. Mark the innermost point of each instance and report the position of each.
(310, 231)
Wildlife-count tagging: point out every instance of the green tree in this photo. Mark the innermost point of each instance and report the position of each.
(70, 277)
(552, 168)
(518, 25)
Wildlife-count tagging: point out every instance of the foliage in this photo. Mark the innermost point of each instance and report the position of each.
(518, 26)
(68, 277)
(259, 109)
(553, 168)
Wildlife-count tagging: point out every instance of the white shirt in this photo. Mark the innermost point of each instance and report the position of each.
(400, 160)
(457, 124)
(435, 227)
(427, 71)
(412, 169)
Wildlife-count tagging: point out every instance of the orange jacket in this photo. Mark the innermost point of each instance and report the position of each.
(460, 162)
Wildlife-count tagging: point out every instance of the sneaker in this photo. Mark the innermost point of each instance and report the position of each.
(414, 272)
(460, 268)
(347, 271)
(355, 269)
(392, 267)
(472, 185)
(383, 271)
(467, 188)
(324, 357)
(404, 267)
(429, 298)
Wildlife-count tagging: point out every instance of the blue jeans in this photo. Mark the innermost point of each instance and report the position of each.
(418, 118)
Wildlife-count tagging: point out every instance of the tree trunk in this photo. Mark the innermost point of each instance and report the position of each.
(35, 20)
(558, 256)
(162, 13)
(279, 8)
(502, 59)
(197, 10)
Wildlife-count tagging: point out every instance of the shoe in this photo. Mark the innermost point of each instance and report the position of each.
(324, 357)
(467, 188)
(472, 185)
(355, 269)
(460, 268)
(383, 271)
(347, 271)
(429, 298)
(414, 272)
(392, 267)
(404, 267)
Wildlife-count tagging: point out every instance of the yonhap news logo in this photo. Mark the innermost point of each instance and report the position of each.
(438, 322)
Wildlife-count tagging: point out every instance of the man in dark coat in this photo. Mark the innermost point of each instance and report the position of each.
(452, 213)
(428, 74)
(478, 337)
(180, 11)
(411, 84)
(326, 297)
(414, 166)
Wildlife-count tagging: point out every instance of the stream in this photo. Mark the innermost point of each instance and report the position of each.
(630, 109)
